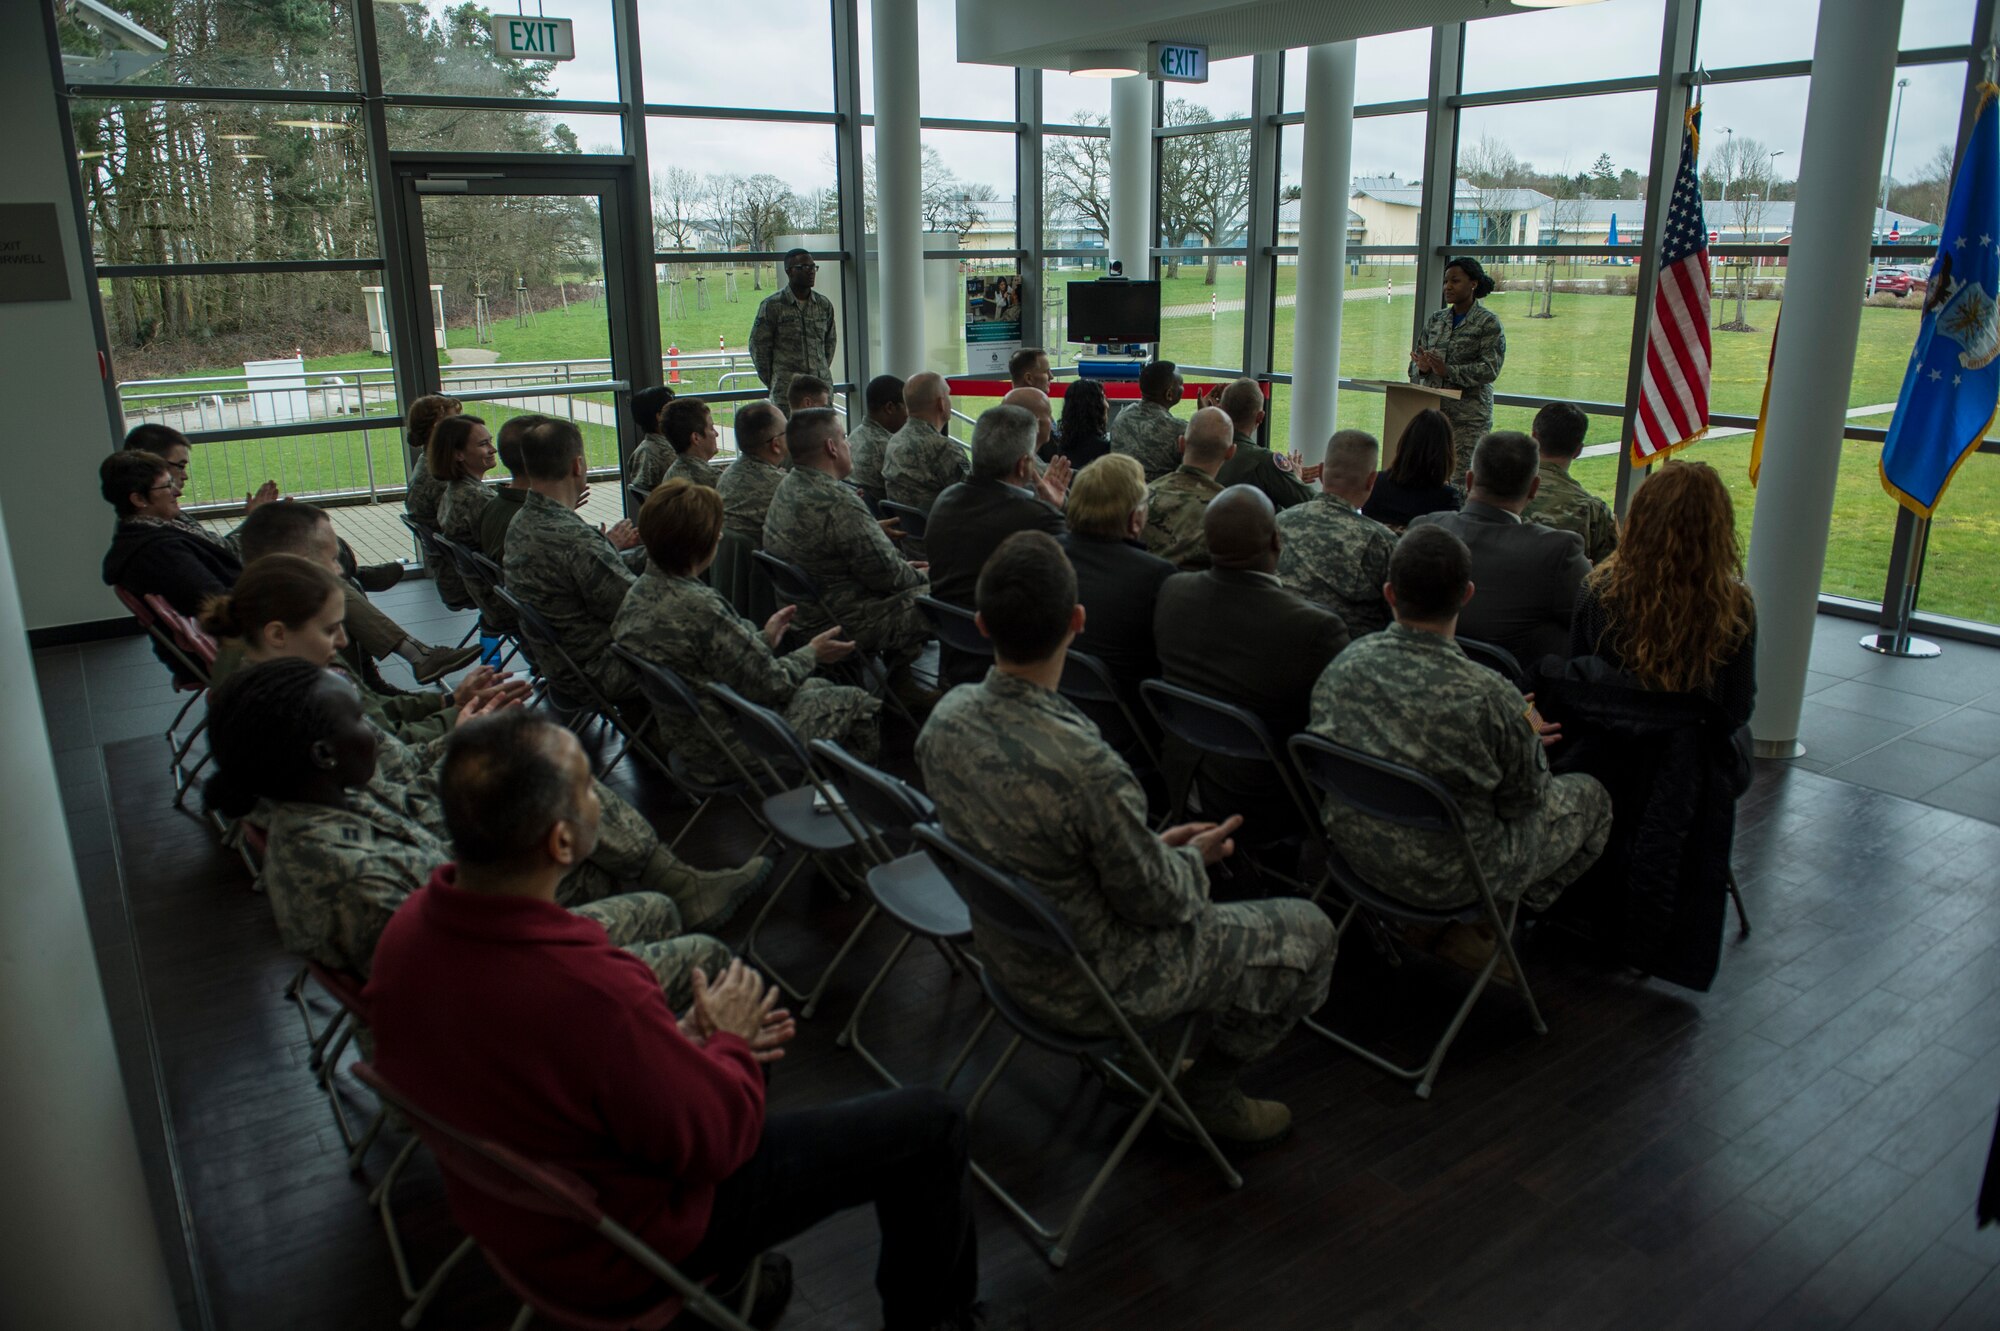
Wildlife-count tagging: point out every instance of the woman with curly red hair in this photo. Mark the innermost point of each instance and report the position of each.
(1669, 607)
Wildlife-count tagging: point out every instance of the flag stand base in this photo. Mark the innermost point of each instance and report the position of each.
(1901, 644)
(1777, 748)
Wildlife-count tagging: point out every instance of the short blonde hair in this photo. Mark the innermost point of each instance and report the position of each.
(680, 522)
(1105, 495)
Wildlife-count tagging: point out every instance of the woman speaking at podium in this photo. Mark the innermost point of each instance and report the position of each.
(1462, 347)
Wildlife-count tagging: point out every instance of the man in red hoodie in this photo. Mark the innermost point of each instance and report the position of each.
(509, 1017)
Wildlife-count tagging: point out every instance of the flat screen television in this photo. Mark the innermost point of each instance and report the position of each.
(1114, 312)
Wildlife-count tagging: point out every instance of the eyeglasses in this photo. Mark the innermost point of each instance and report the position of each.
(168, 485)
(180, 467)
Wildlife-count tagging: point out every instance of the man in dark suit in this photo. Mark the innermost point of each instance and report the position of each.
(1236, 633)
(1118, 579)
(1005, 494)
(1527, 574)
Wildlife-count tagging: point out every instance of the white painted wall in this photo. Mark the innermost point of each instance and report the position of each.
(57, 429)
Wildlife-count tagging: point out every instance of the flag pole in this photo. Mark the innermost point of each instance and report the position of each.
(1899, 601)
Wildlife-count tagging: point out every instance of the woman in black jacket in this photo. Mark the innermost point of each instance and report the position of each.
(1419, 480)
(1084, 434)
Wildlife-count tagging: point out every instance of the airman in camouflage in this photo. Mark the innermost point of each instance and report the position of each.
(1411, 696)
(692, 468)
(1149, 432)
(822, 525)
(920, 464)
(421, 497)
(796, 330)
(1339, 558)
(1562, 503)
(1025, 781)
(494, 522)
(1174, 507)
(870, 445)
(459, 509)
(334, 876)
(1473, 353)
(568, 570)
(651, 459)
(746, 489)
(687, 626)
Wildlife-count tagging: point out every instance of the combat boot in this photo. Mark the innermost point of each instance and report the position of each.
(1231, 1117)
(707, 897)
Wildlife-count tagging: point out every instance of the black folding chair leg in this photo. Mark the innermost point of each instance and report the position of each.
(808, 999)
(1736, 897)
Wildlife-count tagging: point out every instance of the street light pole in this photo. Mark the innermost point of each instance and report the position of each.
(1888, 175)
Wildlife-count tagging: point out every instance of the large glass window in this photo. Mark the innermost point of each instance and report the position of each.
(1076, 189)
(948, 89)
(740, 184)
(210, 45)
(788, 67)
(1761, 32)
(446, 47)
(1527, 50)
(1065, 98)
(458, 129)
(1394, 67)
(223, 182)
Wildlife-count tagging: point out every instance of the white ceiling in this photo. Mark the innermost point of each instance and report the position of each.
(1053, 34)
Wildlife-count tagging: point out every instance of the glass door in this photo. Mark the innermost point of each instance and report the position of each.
(521, 276)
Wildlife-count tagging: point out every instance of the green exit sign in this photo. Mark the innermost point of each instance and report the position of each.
(531, 37)
(1177, 62)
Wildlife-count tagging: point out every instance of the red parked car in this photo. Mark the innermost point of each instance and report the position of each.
(1896, 281)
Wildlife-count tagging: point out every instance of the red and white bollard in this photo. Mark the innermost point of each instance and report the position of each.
(1388, 291)
(1211, 308)
(720, 343)
(673, 364)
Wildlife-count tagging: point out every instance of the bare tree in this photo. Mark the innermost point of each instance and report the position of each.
(677, 194)
(1077, 178)
(949, 203)
(722, 192)
(1494, 172)
(1204, 182)
(765, 207)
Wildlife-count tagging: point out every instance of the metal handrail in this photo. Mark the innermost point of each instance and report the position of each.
(535, 390)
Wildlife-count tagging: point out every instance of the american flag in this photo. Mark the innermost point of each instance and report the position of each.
(1673, 392)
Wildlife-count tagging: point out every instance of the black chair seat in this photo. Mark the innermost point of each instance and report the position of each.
(792, 813)
(914, 893)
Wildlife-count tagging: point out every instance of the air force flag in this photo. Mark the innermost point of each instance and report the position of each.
(1953, 384)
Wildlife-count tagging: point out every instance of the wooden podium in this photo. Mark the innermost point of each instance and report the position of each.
(1404, 402)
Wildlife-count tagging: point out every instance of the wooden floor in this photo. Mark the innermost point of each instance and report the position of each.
(1800, 1147)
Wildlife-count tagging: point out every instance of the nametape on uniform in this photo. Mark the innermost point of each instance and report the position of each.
(533, 37)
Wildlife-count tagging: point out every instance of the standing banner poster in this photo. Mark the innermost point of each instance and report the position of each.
(992, 321)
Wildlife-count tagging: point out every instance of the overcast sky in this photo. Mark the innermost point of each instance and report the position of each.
(701, 53)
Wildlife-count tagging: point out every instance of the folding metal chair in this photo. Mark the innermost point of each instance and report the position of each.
(429, 540)
(345, 988)
(956, 627)
(547, 650)
(1088, 685)
(1003, 904)
(796, 586)
(638, 495)
(1495, 658)
(1216, 729)
(668, 694)
(549, 1190)
(797, 807)
(193, 655)
(867, 497)
(1410, 799)
(906, 884)
(913, 521)
(482, 577)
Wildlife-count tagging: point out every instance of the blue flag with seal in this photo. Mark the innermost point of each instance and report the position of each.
(1953, 384)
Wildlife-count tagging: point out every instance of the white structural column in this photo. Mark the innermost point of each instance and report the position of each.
(1329, 159)
(899, 219)
(1847, 114)
(1132, 174)
(85, 1252)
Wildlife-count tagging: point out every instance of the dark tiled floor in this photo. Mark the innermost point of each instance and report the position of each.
(1800, 1146)
(1927, 730)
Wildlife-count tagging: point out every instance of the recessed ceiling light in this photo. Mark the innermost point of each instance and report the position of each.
(314, 124)
(1102, 65)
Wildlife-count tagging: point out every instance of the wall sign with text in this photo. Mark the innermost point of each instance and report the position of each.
(533, 37)
(1177, 62)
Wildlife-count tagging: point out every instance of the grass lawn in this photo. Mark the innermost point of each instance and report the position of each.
(1580, 354)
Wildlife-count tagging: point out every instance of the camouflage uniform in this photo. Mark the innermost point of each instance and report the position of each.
(414, 718)
(1334, 555)
(496, 519)
(1150, 433)
(1024, 781)
(1254, 464)
(334, 876)
(920, 464)
(651, 457)
(1174, 507)
(687, 626)
(691, 468)
(1473, 354)
(458, 513)
(822, 525)
(421, 496)
(1412, 697)
(1566, 505)
(568, 570)
(789, 339)
(870, 445)
(746, 490)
